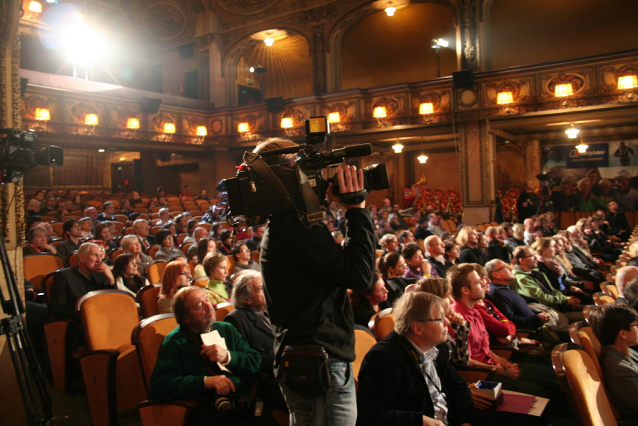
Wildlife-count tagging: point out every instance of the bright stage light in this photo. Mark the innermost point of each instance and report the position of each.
(83, 45)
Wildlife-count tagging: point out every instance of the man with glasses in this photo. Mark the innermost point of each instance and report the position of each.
(435, 248)
(533, 284)
(187, 368)
(141, 230)
(615, 326)
(406, 379)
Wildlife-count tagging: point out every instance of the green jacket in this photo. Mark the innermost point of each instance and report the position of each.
(180, 370)
(526, 286)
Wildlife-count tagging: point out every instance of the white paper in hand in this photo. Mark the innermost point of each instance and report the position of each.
(213, 338)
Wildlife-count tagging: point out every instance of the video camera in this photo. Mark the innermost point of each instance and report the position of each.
(20, 154)
(259, 190)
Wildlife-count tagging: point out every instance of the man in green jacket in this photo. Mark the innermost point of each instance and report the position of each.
(186, 368)
(533, 284)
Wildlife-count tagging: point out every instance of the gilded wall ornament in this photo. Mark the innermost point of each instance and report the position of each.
(246, 7)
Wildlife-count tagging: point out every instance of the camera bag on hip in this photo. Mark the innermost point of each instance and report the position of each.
(305, 369)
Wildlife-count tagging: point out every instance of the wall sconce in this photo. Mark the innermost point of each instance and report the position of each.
(169, 130)
(132, 124)
(397, 147)
(505, 98)
(564, 90)
(390, 10)
(244, 131)
(572, 132)
(426, 109)
(380, 113)
(91, 120)
(628, 83)
(36, 8)
(42, 115)
(334, 118)
(201, 133)
(287, 124)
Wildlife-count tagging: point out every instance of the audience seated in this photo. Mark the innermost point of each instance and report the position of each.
(389, 243)
(422, 232)
(468, 240)
(70, 284)
(496, 249)
(126, 274)
(615, 325)
(241, 254)
(107, 214)
(131, 244)
(623, 276)
(216, 266)
(254, 243)
(435, 248)
(406, 379)
(176, 275)
(167, 249)
(141, 230)
(417, 266)
(392, 267)
(73, 237)
(367, 303)
(38, 242)
(203, 247)
(251, 320)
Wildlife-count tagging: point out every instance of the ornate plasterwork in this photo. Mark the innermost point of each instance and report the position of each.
(204, 40)
(163, 21)
(469, 33)
(522, 90)
(246, 7)
(319, 59)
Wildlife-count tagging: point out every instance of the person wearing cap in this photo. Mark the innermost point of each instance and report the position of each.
(565, 199)
(626, 197)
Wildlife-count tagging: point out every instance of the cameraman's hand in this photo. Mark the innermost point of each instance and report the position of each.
(350, 180)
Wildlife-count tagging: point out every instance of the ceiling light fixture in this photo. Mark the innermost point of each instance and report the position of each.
(390, 10)
(422, 158)
(572, 132)
(269, 41)
(397, 147)
(582, 147)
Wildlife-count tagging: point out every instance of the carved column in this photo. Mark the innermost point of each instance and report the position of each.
(318, 52)
(203, 43)
(476, 174)
(469, 35)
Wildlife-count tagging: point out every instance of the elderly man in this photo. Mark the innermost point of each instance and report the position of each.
(251, 320)
(188, 368)
(496, 248)
(86, 225)
(198, 234)
(141, 230)
(406, 379)
(107, 214)
(70, 284)
(518, 309)
(532, 283)
(73, 235)
(92, 213)
(435, 248)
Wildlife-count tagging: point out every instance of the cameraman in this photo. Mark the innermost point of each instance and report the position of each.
(306, 277)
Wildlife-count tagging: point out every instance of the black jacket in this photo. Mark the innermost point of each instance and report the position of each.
(69, 285)
(256, 333)
(306, 278)
(497, 251)
(472, 255)
(392, 389)
(441, 268)
(514, 307)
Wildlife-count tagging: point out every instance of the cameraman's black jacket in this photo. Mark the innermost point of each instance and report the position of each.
(306, 277)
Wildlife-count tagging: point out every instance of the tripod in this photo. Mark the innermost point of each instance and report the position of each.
(25, 364)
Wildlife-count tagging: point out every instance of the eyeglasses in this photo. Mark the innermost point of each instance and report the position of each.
(243, 250)
(499, 269)
(432, 320)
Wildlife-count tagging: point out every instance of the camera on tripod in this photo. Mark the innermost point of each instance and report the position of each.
(20, 154)
(259, 189)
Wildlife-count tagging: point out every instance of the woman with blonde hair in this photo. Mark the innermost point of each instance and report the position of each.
(389, 243)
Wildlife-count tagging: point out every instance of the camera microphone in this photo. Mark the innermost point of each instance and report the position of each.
(338, 155)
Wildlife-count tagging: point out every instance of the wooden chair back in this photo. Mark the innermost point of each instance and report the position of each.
(610, 290)
(602, 299)
(363, 342)
(37, 266)
(147, 337)
(147, 298)
(152, 251)
(223, 309)
(154, 272)
(382, 323)
(580, 380)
